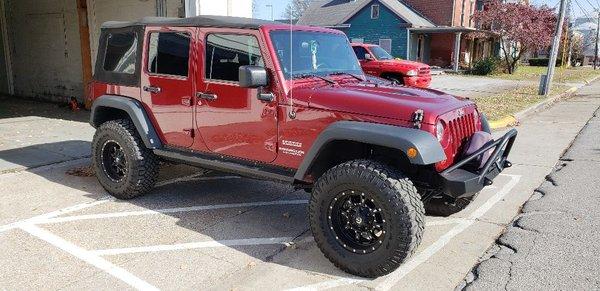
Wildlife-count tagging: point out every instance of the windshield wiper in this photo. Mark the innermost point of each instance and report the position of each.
(306, 75)
(357, 77)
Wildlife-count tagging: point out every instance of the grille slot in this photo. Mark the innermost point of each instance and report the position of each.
(461, 129)
(424, 71)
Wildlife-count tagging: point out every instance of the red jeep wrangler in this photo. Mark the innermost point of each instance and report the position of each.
(290, 104)
(375, 61)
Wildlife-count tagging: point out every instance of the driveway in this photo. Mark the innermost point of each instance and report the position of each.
(474, 86)
(211, 231)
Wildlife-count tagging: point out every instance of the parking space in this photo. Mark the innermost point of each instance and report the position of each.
(200, 231)
(209, 231)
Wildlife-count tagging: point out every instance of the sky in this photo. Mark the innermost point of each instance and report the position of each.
(580, 7)
(264, 12)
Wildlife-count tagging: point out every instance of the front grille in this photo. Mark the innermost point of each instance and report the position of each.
(461, 129)
(424, 71)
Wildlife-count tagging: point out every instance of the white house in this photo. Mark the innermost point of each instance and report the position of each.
(47, 47)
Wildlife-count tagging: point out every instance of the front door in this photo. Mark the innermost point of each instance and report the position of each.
(230, 119)
(167, 85)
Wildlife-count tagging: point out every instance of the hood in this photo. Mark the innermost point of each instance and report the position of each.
(388, 101)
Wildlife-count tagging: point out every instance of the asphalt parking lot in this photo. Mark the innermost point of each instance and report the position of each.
(191, 232)
(206, 230)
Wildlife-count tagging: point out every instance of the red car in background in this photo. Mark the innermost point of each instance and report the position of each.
(376, 61)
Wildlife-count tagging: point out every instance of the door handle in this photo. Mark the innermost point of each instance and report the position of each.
(266, 97)
(207, 96)
(152, 89)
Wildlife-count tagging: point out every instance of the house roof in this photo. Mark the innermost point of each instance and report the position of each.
(202, 21)
(337, 12)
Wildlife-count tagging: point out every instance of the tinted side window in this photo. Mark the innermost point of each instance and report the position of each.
(225, 53)
(121, 50)
(360, 52)
(168, 53)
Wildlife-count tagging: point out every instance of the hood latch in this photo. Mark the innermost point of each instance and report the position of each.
(417, 118)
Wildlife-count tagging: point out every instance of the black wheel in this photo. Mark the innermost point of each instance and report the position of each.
(123, 165)
(446, 206)
(366, 217)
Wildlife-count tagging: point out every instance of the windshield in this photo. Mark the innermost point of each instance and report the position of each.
(380, 53)
(314, 53)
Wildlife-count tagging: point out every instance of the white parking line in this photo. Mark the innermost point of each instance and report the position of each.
(196, 245)
(88, 257)
(328, 284)
(393, 278)
(168, 210)
(56, 213)
(49, 217)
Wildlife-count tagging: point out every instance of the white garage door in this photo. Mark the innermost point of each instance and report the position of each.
(45, 48)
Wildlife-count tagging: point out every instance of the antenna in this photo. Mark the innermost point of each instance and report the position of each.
(292, 113)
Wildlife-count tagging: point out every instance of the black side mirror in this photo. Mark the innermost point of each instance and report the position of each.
(252, 77)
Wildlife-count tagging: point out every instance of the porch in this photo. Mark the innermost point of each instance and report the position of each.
(450, 47)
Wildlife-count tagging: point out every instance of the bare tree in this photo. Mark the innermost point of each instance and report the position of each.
(295, 9)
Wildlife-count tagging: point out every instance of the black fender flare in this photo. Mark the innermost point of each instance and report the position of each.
(429, 150)
(136, 113)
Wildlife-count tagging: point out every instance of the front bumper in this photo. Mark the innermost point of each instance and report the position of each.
(458, 181)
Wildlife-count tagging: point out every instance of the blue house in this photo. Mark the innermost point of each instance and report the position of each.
(383, 22)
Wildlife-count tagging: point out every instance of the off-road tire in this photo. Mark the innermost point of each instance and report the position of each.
(400, 204)
(141, 163)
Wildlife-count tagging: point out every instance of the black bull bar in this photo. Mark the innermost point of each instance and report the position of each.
(460, 182)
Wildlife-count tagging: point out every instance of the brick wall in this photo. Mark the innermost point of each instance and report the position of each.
(441, 11)
(438, 11)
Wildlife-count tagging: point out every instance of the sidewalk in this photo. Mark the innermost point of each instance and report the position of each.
(553, 243)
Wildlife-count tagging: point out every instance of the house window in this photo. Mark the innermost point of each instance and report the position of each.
(226, 53)
(168, 53)
(375, 11)
(386, 44)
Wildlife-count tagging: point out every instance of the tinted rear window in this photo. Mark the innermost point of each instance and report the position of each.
(121, 53)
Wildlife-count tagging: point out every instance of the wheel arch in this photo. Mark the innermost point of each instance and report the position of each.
(111, 107)
(361, 139)
(397, 75)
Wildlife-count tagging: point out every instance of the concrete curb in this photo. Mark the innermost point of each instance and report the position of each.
(512, 120)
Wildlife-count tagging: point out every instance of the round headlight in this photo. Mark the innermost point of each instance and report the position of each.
(439, 131)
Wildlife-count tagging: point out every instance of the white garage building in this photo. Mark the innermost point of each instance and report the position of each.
(48, 46)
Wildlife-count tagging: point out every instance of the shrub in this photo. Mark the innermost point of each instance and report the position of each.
(485, 66)
(542, 62)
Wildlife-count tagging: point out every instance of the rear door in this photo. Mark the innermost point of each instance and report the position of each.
(167, 85)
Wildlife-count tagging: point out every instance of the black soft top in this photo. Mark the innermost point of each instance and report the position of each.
(199, 21)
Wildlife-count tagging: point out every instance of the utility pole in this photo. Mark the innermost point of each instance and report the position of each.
(597, 37)
(546, 81)
(271, 7)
